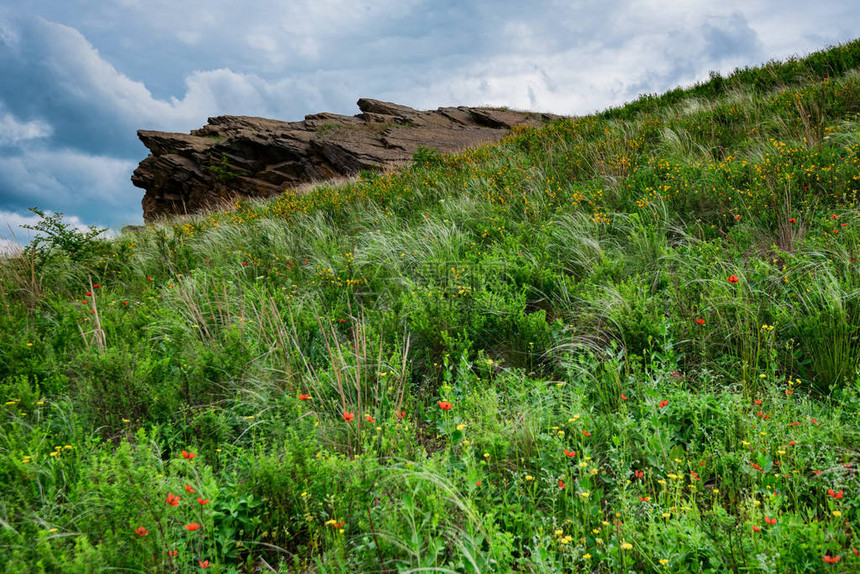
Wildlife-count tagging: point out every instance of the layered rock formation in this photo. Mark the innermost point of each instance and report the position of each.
(240, 156)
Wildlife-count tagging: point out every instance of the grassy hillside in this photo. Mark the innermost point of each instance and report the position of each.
(623, 342)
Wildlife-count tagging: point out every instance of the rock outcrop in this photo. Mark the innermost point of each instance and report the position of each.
(240, 156)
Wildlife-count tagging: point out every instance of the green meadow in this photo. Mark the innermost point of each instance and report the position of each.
(624, 342)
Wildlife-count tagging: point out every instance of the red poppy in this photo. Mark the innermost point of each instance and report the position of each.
(700, 321)
(201, 500)
(733, 279)
(756, 528)
(770, 521)
(304, 397)
(125, 303)
(561, 483)
(757, 401)
(369, 419)
(173, 553)
(192, 527)
(188, 455)
(204, 564)
(96, 286)
(789, 392)
(401, 414)
(817, 471)
(830, 559)
(834, 216)
(149, 278)
(338, 524)
(244, 263)
(624, 398)
(855, 551)
(638, 473)
(792, 220)
(348, 416)
(189, 490)
(88, 294)
(663, 403)
(570, 453)
(173, 500)
(813, 421)
(834, 494)
(694, 475)
(792, 443)
(207, 261)
(479, 483)
(737, 217)
(586, 433)
(846, 464)
(444, 405)
(645, 498)
(141, 531)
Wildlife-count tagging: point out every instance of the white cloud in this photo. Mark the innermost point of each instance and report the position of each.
(14, 131)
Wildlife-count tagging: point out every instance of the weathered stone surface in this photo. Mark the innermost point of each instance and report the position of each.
(241, 156)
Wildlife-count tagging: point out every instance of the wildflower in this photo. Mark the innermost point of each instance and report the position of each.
(817, 471)
(461, 427)
(304, 397)
(700, 321)
(831, 559)
(348, 416)
(204, 564)
(645, 498)
(733, 279)
(626, 546)
(401, 414)
(638, 473)
(585, 494)
(202, 501)
(561, 483)
(758, 402)
(586, 556)
(369, 419)
(173, 500)
(623, 398)
(141, 531)
(188, 455)
(173, 553)
(792, 220)
(663, 403)
(569, 453)
(666, 515)
(529, 477)
(769, 520)
(834, 494)
(445, 405)
(756, 528)
(792, 443)
(192, 527)
(586, 433)
(149, 278)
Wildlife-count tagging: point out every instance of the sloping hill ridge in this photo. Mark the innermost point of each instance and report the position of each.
(241, 156)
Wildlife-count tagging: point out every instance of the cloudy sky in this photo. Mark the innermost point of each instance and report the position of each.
(79, 77)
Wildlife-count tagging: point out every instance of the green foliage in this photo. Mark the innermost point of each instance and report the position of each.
(622, 342)
(54, 234)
